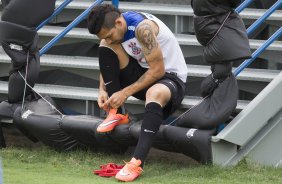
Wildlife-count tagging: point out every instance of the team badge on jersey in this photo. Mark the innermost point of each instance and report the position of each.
(135, 50)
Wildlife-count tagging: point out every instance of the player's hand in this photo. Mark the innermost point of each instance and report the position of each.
(102, 98)
(117, 99)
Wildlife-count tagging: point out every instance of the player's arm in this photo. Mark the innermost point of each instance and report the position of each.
(146, 34)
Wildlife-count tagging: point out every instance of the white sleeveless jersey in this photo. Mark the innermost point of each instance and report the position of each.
(173, 57)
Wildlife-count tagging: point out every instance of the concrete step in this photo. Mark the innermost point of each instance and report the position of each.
(189, 44)
(183, 39)
(91, 94)
(92, 63)
(171, 9)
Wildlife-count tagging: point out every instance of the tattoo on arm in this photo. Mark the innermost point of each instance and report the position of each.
(147, 38)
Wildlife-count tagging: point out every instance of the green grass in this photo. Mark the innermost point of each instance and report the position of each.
(45, 166)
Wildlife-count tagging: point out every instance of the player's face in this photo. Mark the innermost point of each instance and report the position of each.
(112, 36)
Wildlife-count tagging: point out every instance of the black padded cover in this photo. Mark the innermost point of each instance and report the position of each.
(28, 13)
(228, 43)
(194, 143)
(214, 110)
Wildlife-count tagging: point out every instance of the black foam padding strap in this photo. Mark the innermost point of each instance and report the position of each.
(15, 33)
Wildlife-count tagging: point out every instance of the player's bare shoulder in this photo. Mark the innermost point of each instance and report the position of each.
(146, 33)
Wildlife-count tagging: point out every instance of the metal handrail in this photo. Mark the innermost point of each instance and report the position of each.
(115, 3)
(243, 5)
(259, 21)
(262, 48)
(247, 62)
(74, 23)
(56, 12)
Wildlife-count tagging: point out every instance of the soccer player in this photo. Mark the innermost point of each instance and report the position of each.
(139, 56)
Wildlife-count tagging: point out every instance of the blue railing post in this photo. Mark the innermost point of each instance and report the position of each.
(252, 28)
(247, 62)
(115, 3)
(258, 22)
(56, 12)
(74, 23)
(243, 5)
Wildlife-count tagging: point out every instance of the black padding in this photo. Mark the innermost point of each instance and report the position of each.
(83, 128)
(5, 2)
(47, 129)
(42, 106)
(208, 85)
(17, 84)
(15, 33)
(25, 52)
(219, 73)
(223, 35)
(213, 7)
(37, 106)
(19, 57)
(122, 136)
(230, 44)
(221, 70)
(109, 143)
(161, 142)
(194, 143)
(215, 109)
(7, 109)
(28, 13)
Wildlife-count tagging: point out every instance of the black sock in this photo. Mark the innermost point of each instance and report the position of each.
(109, 68)
(152, 121)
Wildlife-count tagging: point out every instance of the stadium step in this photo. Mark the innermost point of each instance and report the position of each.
(91, 94)
(171, 9)
(184, 39)
(92, 63)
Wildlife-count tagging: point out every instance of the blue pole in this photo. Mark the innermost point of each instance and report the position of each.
(247, 62)
(56, 12)
(243, 5)
(258, 22)
(74, 23)
(115, 3)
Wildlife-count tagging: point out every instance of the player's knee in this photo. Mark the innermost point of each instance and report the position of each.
(159, 93)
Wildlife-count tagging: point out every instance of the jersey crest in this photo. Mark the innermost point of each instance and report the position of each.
(135, 50)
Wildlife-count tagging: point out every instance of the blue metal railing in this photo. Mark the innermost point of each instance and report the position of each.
(247, 62)
(243, 5)
(115, 3)
(253, 27)
(74, 23)
(259, 21)
(56, 12)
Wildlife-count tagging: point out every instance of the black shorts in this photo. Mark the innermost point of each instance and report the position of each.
(133, 71)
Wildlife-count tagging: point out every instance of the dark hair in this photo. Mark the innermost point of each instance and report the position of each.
(102, 16)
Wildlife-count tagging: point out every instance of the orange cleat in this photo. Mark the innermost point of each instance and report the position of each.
(130, 171)
(113, 119)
